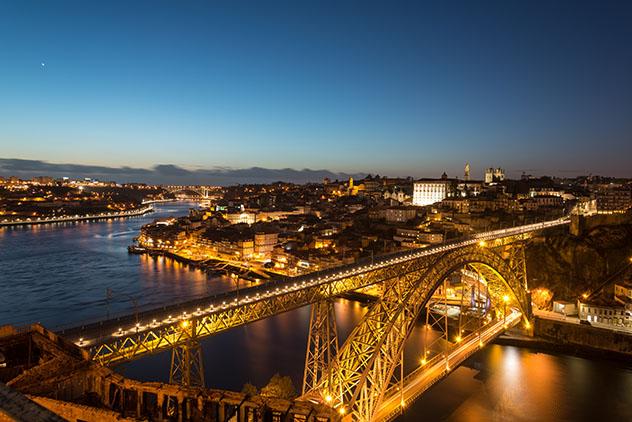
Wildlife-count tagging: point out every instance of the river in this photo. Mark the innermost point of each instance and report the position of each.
(60, 274)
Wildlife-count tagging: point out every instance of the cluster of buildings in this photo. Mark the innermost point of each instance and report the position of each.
(290, 229)
(609, 306)
(45, 197)
(497, 194)
(283, 228)
(614, 309)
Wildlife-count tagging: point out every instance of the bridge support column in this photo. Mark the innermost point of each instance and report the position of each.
(322, 344)
(518, 264)
(187, 366)
(436, 321)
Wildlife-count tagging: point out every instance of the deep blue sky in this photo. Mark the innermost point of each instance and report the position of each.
(400, 88)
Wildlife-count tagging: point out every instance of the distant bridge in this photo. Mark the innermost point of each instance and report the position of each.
(199, 191)
(359, 378)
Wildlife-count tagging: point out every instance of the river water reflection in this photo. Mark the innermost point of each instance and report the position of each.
(59, 274)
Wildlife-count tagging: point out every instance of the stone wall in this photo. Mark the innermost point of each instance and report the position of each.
(78, 412)
(583, 224)
(583, 336)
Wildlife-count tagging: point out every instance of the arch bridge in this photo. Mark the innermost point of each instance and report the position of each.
(202, 192)
(363, 378)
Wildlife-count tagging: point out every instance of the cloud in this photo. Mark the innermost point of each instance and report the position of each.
(165, 173)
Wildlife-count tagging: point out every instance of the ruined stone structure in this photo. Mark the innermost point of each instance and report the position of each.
(57, 375)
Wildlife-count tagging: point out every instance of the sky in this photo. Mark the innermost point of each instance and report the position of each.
(397, 88)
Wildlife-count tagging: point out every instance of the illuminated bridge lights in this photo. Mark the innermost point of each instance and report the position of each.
(257, 303)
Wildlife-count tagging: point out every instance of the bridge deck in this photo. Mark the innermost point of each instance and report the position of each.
(275, 296)
(425, 377)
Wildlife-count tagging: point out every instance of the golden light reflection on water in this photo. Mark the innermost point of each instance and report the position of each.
(513, 384)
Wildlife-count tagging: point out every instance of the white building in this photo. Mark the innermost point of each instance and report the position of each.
(564, 307)
(241, 217)
(602, 312)
(430, 191)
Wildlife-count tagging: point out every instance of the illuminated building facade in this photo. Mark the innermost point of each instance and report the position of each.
(430, 191)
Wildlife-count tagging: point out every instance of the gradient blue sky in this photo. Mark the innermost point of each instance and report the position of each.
(399, 88)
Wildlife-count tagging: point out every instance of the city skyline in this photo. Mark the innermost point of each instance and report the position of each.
(399, 90)
(225, 176)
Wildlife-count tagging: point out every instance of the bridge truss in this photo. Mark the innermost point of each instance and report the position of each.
(357, 377)
(365, 367)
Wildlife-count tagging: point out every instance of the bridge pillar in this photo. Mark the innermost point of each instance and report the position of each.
(322, 344)
(518, 265)
(436, 322)
(187, 366)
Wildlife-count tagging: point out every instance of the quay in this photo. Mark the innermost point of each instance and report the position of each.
(71, 218)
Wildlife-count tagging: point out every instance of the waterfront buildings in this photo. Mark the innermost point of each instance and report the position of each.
(611, 305)
(606, 312)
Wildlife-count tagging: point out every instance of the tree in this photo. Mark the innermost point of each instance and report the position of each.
(249, 389)
(278, 386)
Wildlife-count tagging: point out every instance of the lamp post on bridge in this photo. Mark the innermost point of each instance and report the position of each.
(505, 301)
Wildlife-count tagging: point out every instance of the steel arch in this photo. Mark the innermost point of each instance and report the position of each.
(365, 364)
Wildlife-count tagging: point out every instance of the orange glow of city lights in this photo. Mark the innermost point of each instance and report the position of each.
(185, 323)
(328, 398)
(505, 298)
(482, 243)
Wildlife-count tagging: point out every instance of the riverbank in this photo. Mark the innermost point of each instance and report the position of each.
(541, 345)
(575, 340)
(67, 219)
(212, 266)
(158, 201)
